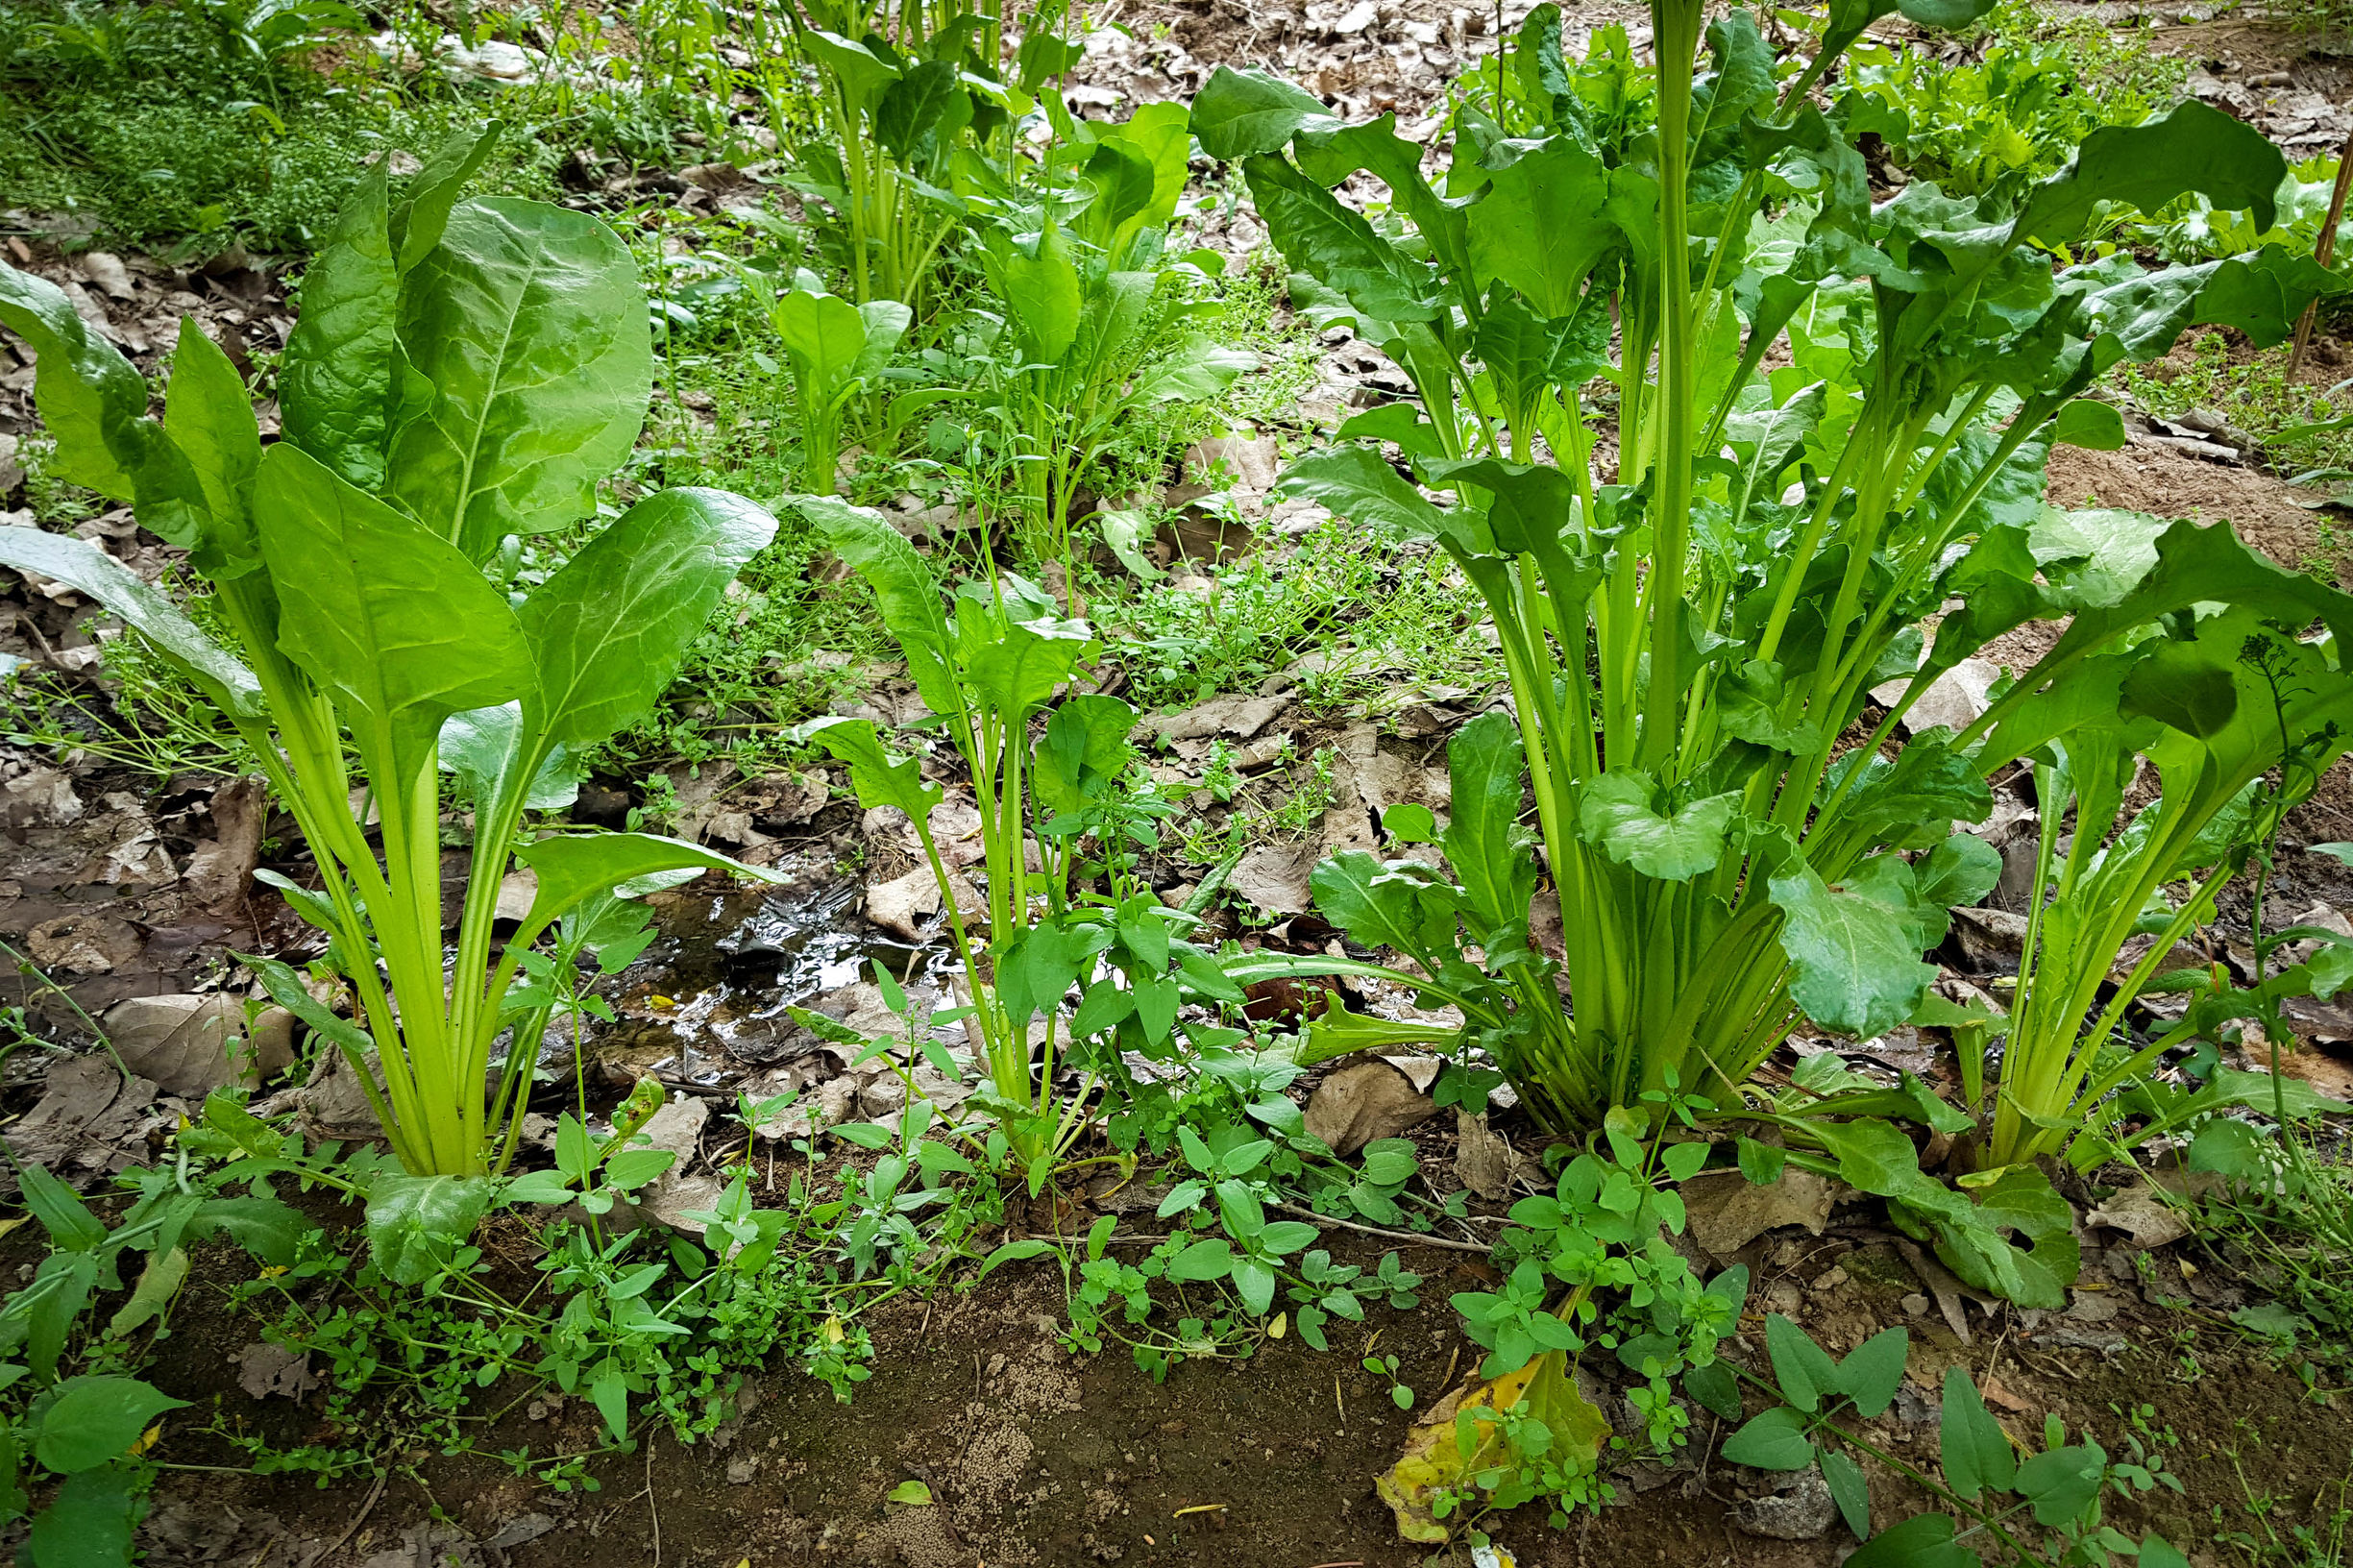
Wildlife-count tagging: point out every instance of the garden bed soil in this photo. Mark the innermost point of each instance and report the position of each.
(1036, 1456)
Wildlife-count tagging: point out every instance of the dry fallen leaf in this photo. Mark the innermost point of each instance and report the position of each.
(1996, 1394)
(1364, 1101)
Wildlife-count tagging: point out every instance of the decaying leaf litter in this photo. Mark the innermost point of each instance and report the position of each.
(704, 1013)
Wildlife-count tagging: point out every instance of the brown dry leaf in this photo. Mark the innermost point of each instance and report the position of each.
(40, 798)
(1274, 877)
(678, 1128)
(2141, 1213)
(1232, 718)
(82, 943)
(194, 1044)
(1364, 1101)
(2000, 1397)
(1484, 1160)
(265, 1370)
(223, 865)
(1726, 1211)
(87, 1113)
(908, 905)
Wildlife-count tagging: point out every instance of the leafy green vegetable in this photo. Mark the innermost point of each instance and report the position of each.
(464, 370)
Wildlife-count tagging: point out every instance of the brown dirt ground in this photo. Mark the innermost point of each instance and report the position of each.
(1037, 1457)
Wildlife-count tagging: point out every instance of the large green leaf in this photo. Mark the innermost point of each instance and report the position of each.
(1617, 815)
(1336, 246)
(483, 747)
(94, 1419)
(269, 1227)
(1855, 947)
(415, 1223)
(335, 391)
(418, 220)
(94, 406)
(377, 606)
(823, 336)
(1357, 483)
(914, 106)
(1238, 113)
(92, 1521)
(577, 865)
(2184, 685)
(2197, 563)
(528, 364)
(1400, 905)
(1085, 747)
(1330, 157)
(1538, 227)
(2195, 148)
(903, 585)
(1015, 666)
(1976, 1452)
(1041, 294)
(209, 417)
(609, 630)
(1925, 1540)
(879, 776)
(144, 607)
(861, 73)
(1484, 842)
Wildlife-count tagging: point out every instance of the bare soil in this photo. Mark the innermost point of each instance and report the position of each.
(1036, 1456)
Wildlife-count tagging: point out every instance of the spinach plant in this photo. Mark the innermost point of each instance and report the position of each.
(2217, 709)
(988, 670)
(1688, 644)
(1089, 325)
(463, 374)
(837, 350)
(2017, 109)
(906, 101)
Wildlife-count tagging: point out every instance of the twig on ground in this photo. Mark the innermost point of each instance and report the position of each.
(350, 1530)
(1403, 1238)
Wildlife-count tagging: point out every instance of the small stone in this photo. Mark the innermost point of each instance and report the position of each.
(2092, 1306)
(1802, 1510)
(1916, 1304)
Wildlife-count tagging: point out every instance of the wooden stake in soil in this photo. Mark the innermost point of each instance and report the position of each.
(2324, 252)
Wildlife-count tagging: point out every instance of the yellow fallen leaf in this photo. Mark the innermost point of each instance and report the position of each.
(1434, 1462)
(148, 1439)
(1280, 1326)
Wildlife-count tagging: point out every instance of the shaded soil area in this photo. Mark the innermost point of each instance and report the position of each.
(1034, 1456)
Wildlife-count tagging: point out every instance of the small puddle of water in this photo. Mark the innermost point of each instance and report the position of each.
(707, 1004)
